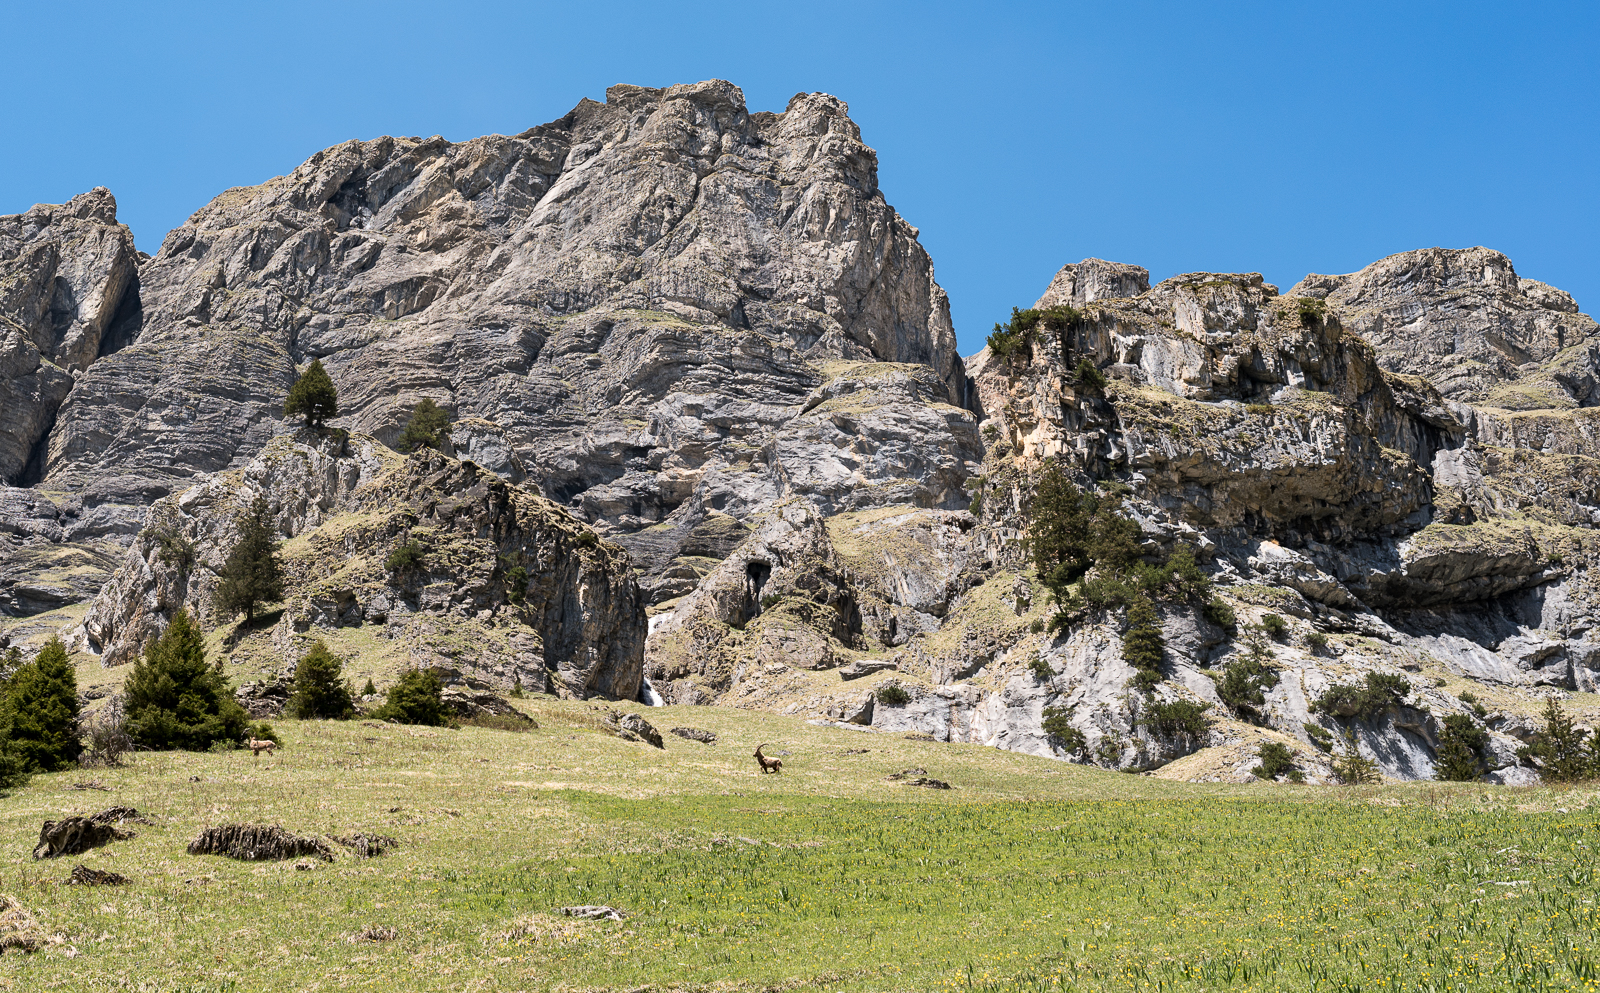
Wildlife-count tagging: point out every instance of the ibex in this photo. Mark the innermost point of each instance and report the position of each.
(257, 746)
(767, 765)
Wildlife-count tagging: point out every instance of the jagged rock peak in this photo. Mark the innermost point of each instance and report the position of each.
(1464, 319)
(467, 272)
(1094, 279)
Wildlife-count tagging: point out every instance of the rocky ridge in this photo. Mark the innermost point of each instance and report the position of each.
(702, 333)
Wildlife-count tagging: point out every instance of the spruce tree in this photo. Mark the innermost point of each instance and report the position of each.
(414, 699)
(174, 700)
(319, 688)
(39, 717)
(1143, 647)
(1460, 754)
(1560, 748)
(426, 429)
(251, 576)
(313, 396)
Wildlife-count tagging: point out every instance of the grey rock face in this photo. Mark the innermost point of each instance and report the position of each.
(1463, 319)
(68, 291)
(654, 309)
(505, 575)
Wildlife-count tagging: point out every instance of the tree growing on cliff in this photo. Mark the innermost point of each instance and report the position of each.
(426, 429)
(320, 691)
(1143, 647)
(251, 576)
(175, 700)
(313, 396)
(39, 716)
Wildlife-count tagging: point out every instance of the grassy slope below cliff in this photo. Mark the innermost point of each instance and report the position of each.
(827, 877)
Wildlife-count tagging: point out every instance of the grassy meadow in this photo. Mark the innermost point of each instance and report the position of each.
(1028, 875)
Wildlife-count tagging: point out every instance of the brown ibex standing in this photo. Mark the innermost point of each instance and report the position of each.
(258, 746)
(767, 765)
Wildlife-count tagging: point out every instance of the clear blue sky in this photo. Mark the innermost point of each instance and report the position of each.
(1274, 137)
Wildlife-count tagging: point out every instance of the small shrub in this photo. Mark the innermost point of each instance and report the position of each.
(1460, 756)
(404, 558)
(1109, 750)
(1354, 769)
(107, 731)
(516, 689)
(1057, 724)
(1037, 627)
(426, 429)
(1041, 668)
(1275, 626)
(1277, 759)
(1320, 737)
(1473, 703)
(893, 695)
(516, 583)
(588, 539)
(173, 548)
(1178, 718)
(1220, 614)
(1310, 310)
(414, 699)
(1088, 378)
(1266, 409)
(1317, 641)
(1244, 682)
(1366, 700)
(975, 508)
(369, 689)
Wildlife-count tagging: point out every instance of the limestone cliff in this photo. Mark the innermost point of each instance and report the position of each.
(510, 588)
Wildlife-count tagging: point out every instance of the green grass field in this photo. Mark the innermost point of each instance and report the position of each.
(1030, 874)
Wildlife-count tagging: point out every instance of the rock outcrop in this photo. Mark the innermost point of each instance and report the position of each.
(509, 588)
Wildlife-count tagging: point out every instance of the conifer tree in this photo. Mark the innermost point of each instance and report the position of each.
(1143, 647)
(313, 396)
(319, 688)
(251, 576)
(1560, 749)
(414, 699)
(174, 700)
(39, 717)
(1460, 754)
(426, 428)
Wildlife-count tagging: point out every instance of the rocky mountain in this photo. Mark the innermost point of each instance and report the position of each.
(700, 370)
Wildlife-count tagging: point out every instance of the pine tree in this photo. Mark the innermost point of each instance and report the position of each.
(426, 427)
(174, 700)
(319, 689)
(414, 699)
(1143, 647)
(1460, 755)
(313, 395)
(39, 717)
(251, 576)
(1559, 748)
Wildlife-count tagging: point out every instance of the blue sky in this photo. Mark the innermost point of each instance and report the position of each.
(1273, 137)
